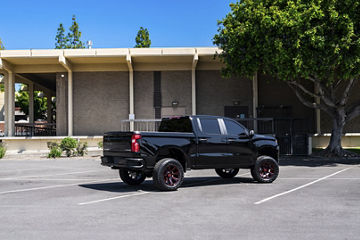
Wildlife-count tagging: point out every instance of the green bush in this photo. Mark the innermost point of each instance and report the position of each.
(101, 144)
(81, 149)
(2, 150)
(55, 152)
(68, 145)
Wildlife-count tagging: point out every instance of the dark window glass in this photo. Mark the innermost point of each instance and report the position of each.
(234, 128)
(182, 124)
(210, 126)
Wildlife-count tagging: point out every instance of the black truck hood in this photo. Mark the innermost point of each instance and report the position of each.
(263, 137)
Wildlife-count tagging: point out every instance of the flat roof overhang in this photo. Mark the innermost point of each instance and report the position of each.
(110, 59)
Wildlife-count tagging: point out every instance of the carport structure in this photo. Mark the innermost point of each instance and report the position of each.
(54, 71)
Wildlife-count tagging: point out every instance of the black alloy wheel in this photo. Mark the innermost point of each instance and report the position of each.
(131, 177)
(168, 174)
(227, 172)
(265, 170)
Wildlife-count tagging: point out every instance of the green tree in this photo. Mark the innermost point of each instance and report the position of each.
(299, 41)
(60, 38)
(73, 37)
(40, 103)
(1, 45)
(142, 38)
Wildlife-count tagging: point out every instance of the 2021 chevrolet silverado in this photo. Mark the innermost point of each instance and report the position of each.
(194, 142)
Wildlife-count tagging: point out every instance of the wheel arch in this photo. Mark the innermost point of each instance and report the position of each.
(173, 152)
(269, 151)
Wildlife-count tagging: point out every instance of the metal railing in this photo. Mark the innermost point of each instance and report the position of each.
(35, 129)
(144, 125)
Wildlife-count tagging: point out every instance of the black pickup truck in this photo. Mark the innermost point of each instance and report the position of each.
(194, 142)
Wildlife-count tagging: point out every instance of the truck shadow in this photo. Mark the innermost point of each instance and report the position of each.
(311, 161)
(190, 182)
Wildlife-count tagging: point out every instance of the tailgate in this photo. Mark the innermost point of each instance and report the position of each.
(117, 142)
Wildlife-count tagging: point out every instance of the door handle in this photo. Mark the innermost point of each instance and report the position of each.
(202, 139)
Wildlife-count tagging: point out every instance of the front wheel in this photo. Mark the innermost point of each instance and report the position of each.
(168, 174)
(131, 177)
(227, 172)
(265, 170)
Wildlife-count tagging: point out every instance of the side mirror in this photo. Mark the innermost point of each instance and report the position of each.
(251, 133)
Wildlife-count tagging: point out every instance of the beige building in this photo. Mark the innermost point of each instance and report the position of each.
(95, 89)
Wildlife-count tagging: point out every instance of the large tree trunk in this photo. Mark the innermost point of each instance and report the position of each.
(334, 148)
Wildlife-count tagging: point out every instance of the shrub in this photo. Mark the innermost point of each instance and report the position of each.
(2, 150)
(101, 144)
(54, 152)
(81, 149)
(68, 145)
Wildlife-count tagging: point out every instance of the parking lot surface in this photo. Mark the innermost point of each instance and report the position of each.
(80, 199)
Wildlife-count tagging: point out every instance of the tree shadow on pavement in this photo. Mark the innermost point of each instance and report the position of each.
(189, 182)
(314, 161)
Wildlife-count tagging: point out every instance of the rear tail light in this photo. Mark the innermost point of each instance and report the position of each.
(135, 146)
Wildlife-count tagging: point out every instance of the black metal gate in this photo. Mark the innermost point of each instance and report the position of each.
(292, 133)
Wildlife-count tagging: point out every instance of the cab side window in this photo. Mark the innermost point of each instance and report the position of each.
(233, 128)
(210, 126)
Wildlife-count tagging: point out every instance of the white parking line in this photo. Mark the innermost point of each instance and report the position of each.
(50, 175)
(300, 187)
(113, 198)
(55, 186)
(50, 179)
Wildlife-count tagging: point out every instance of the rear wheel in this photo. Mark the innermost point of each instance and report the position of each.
(265, 170)
(227, 172)
(168, 174)
(131, 177)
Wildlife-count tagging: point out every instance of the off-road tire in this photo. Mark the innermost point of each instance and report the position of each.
(131, 177)
(227, 172)
(168, 174)
(265, 170)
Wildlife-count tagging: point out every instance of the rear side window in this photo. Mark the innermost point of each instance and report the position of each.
(210, 126)
(234, 128)
(182, 124)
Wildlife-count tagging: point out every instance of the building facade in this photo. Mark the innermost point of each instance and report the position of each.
(96, 89)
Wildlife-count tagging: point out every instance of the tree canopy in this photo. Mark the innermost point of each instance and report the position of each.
(297, 41)
(40, 103)
(142, 38)
(60, 38)
(72, 39)
(1, 45)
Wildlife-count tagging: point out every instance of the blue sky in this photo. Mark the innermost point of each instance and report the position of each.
(33, 24)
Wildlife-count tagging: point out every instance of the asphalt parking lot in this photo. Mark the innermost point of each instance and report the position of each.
(79, 199)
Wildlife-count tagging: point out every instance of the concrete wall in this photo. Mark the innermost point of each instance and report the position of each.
(273, 93)
(214, 92)
(101, 101)
(176, 85)
(144, 95)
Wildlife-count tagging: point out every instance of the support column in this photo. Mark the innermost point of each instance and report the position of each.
(49, 105)
(61, 111)
(68, 67)
(255, 99)
(6, 105)
(10, 115)
(70, 103)
(131, 92)
(31, 102)
(317, 113)
(193, 83)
